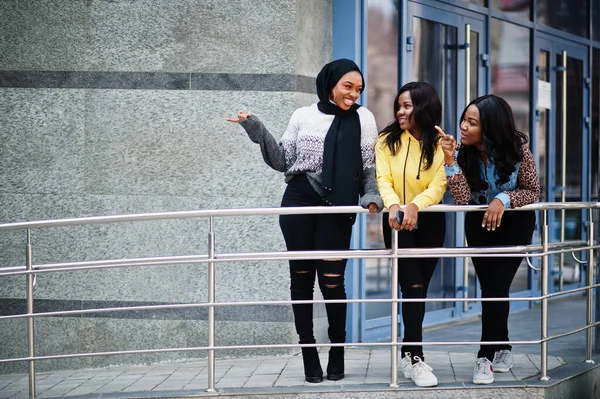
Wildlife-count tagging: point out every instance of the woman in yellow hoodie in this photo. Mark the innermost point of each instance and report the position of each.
(410, 173)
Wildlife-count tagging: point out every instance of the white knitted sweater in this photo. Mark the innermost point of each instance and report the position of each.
(300, 150)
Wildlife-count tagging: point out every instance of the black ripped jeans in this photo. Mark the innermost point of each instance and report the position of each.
(414, 274)
(315, 232)
(496, 274)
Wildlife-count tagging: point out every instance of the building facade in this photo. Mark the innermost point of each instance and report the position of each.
(119, 107)
(542, 57)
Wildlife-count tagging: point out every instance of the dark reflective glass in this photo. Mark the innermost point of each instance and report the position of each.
(382, 86)
(510, 68)
(596, 20)
(514, 8)
(574, 149)
(436, 41)
(543, 127)
(596, 127)
(382, 42)
(482, 3)
(567, 15)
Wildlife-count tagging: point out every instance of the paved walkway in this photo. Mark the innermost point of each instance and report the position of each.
(364, 367)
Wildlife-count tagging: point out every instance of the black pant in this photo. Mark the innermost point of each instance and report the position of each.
(414, 274)
(496, 274)
(315, 232)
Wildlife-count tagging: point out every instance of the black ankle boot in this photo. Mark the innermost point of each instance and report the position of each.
(335, 366)
(312, 366)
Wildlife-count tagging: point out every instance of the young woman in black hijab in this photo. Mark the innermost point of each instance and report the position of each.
(327, 156)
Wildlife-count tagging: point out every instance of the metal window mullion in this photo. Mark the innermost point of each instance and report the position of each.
(563, 196)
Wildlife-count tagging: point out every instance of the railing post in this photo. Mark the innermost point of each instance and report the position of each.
(544, 345)
(394, 340)
(30, 320)
(211, 308)
(465, 261)
(590, 291)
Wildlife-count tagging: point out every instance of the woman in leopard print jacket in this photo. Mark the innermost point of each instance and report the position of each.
(493, 166)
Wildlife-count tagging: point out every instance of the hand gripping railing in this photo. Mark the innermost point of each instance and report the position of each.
(543, 250)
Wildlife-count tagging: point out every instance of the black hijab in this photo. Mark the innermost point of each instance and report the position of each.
(342, 157)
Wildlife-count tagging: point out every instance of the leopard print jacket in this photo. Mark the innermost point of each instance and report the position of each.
(528, 184)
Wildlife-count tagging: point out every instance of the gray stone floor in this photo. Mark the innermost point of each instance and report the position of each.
(365, 367)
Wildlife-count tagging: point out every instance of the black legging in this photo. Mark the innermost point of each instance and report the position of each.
(496, 274)
(414, 274)
(315, 232)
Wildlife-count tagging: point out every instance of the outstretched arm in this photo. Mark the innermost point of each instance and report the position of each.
(273, 153)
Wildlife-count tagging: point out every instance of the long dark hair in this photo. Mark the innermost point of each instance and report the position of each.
(427, 112)
(501, 140)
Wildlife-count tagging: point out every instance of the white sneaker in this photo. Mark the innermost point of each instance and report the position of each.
(503, 361)
(406, 365)
(484, 372)
(422, 374)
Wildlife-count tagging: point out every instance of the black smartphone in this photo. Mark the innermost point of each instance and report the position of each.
(399, 216)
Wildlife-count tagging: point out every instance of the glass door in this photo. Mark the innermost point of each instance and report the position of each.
(563, 127)
(448, 52)
(444, 49)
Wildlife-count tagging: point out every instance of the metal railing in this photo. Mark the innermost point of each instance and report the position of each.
(542, 250)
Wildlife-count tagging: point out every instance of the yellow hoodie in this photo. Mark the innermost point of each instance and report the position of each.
(423, 192)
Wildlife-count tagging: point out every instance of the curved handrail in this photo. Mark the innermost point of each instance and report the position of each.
(542, 250)
(38, 224)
